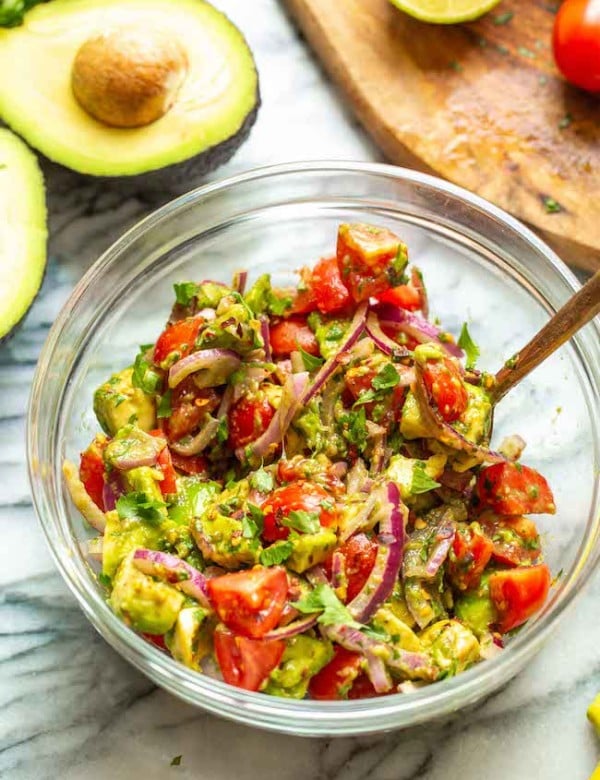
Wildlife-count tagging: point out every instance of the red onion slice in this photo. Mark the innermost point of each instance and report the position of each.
(292, 629)
(268, 442)
(442, 430)
(378, 674)
(173, 570)
(136, 449)
(217, 365)
(420, 329)
(388, 560)
(199, 442)
(240, 279)
(416, 279)
(338, 571)
(387, 345)
(265, 333)
(329, 367)
(444, 538)
(112, 490)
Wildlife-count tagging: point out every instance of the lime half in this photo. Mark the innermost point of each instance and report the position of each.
(445, 11)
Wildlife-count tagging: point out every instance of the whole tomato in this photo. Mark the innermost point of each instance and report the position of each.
(576, 43)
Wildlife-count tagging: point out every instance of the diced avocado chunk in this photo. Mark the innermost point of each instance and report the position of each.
(234, 328)
(121, 536)
(210, 294)
(402, 470)
(144, 603)
(189, 640)
(452, 646)
(303, 657)
(412, 425)
(396, 604)
(310, 549)
(399, 632)
(474, 423)
(221, 540)
(193, 498)
(329, 333)
(476, 609)
(118, 403)
(145, 479)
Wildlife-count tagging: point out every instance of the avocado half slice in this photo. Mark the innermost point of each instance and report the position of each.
(126, 87)
(22, 230)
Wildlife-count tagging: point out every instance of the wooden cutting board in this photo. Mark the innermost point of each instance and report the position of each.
(480, 104)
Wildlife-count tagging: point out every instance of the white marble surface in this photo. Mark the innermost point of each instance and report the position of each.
(71, 708)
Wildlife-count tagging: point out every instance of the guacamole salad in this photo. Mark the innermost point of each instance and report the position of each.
(293, 488)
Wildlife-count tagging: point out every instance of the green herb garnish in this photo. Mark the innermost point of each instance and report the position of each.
(470, 347)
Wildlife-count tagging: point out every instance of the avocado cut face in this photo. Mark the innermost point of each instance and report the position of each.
(201, 120)
(22, 230)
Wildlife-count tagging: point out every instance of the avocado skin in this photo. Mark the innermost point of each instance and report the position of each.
(163, 183)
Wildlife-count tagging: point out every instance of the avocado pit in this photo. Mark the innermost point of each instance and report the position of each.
(128, 77)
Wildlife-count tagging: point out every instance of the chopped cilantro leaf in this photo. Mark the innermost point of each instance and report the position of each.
(278, 304)
(421, 481)
(223, 430)
(261, 480)
(276, 553)
(333, 612)
(504, 18)
(252, 523)
(387, 378)
(104, 580)
(552, 206)
(185, 292)
(470, 347)
(141, 506)
(311, 362)
(144, 376)
(355, 428)
(302, 521)
(176, 761)
(164, 406)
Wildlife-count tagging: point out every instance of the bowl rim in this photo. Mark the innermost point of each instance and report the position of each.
(303, 717)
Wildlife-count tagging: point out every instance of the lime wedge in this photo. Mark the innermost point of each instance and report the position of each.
(445, 11)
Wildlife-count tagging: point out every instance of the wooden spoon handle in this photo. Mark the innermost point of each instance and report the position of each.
(578, 311)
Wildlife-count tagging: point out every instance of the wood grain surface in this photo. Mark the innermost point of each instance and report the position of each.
(480, 104)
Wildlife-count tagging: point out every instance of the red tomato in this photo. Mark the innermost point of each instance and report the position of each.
(250, 602)
(248, 419)
(513, 489)
(359, 555)
(304, 301)
(91, 470)
(576, 43)
(178, 337)
(157, 640)
(444, 382)
(471, 553)
(519, 593)
(188, 407)
(365, 256)
(516, 541)
(335, 680)
(330, 292)
(290, 335)
(295, 497)
(246, 663)
(405, 296)
(362, 688)
(299, 468)
(195, 464)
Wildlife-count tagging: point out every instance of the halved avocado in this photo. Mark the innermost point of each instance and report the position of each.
(126, 87)
(22, 230)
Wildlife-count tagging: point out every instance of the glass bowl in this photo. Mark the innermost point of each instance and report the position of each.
(480, 264)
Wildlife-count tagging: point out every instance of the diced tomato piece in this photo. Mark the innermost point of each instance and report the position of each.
(471, 553)
(370, 259)
(362, 688)
(304, 301)
(250, 602)
(295, 497)
(189, 405)
(194, 464)
(91, 470)
(359, 553)
(246, 663)
(179, 337)
(248, 419)
(513, 489)
(519, 593)
(335, 680)
(290, 335)
(157, 640)
(299, 468)
(444, 382)
(329, 290)
(515, 539)
(405, 296)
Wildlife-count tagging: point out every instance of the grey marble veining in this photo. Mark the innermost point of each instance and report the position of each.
(70, 707)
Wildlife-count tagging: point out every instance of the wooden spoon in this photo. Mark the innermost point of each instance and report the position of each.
(578, 311)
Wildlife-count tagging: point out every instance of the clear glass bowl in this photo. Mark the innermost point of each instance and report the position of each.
(480, 265)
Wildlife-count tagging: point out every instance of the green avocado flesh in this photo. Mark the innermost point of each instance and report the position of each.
(22, 230)
(211, 115)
